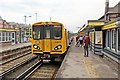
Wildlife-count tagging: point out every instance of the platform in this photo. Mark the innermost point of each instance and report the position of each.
(11, 47)
(75, 65)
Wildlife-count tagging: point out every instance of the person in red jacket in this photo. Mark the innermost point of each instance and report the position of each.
(86, 43)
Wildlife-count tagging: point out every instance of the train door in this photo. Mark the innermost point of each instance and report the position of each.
(47, 39)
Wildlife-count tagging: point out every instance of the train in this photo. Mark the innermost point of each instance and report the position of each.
(50, 40)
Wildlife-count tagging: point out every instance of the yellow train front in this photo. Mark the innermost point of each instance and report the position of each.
(49, 40)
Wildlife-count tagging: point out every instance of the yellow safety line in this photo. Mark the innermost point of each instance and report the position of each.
(89, 67)
(96, 75)
(86, 68)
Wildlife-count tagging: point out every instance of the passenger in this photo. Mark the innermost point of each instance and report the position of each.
(77, 41)
(81, 40)
(86, 43)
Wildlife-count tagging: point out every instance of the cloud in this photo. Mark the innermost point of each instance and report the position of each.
(72, 13)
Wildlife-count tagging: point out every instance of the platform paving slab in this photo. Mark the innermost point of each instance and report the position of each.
(11, 47)
(75, 65)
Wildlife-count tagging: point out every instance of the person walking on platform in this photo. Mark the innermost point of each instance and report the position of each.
(81, 40)
(86, 43)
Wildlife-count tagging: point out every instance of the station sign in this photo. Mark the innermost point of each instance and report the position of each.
(95, 23)
(110, 26)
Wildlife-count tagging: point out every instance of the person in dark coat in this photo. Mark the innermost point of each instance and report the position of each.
(86, 43)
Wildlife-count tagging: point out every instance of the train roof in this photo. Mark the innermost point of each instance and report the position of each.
(47, 23)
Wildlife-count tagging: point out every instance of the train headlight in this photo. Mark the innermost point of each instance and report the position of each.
(58, 47)
(36, 47)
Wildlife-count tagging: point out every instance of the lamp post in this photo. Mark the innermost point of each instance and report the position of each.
(26, 18)
(50, 18)
(25, 37)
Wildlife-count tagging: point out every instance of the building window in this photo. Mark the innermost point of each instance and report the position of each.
(108, 38)
(6, 36)
(113, 40)
(13, 36)
(118, 40)
(9, 36)
(3, 36)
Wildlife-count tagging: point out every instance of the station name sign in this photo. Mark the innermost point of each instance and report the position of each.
(95, 23)
(111, 25)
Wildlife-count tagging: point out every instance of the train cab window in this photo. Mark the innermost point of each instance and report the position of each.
(57, 32)
(47, 33)
(37, 32)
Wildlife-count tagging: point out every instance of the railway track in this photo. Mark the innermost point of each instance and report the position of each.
(12, 65)
(27, 67)
(24, 66)
(40, 71)
(10, 55)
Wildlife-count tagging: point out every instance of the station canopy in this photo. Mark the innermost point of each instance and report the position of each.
(95, 23)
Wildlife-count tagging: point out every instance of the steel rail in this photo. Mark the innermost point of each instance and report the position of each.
(29, 71)
(3, 74)
(15, 58)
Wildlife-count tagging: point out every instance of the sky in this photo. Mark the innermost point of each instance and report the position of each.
(73, 14)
